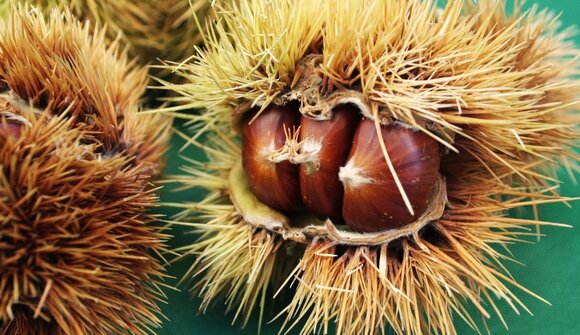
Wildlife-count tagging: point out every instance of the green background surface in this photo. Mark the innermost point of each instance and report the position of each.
(552, 265)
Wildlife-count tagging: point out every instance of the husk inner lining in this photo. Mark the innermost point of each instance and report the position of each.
(305, 228)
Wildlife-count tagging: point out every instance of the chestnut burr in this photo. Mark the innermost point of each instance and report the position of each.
(372, 200)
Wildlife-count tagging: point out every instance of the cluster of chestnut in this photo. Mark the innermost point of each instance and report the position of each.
(336, 169)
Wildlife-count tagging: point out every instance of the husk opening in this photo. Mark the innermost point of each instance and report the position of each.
(316, 102)
(496, 89)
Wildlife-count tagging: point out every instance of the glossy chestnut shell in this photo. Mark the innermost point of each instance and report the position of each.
(275, 184)
(322, 191)
(10, 127)
(376, 203)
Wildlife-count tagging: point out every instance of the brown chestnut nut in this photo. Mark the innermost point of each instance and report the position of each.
(275, 183)
(372, 200)
(325, 148)
(10, 127)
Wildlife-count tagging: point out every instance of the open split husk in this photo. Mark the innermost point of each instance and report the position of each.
(497, 90)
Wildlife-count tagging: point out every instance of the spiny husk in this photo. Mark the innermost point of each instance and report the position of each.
(76, 253)
(73, 67)
(74, 241)
(497, 90)
(413, 284)
(241, 276)
(153, 30)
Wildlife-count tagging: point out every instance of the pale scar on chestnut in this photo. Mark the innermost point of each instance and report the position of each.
(335, 169)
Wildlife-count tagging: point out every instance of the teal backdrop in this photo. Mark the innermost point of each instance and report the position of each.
(552, 265)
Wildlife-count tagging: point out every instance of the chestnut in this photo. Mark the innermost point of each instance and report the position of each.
(372, 200)
(327, 146)
(274, 183)
(10, 127)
